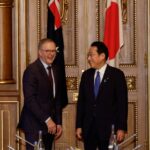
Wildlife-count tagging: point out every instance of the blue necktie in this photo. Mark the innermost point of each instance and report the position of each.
(97, 83)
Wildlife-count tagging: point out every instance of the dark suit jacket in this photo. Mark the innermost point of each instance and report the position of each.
(39, 103)
(110, 106)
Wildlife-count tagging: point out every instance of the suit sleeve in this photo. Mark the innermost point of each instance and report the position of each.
(122, 101)
(80, 104)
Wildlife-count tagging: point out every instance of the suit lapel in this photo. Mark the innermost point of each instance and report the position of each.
(44, 73)
(106, 75)
(91, 82)
(42, 70)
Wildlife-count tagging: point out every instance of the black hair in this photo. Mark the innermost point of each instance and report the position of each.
(101, 48)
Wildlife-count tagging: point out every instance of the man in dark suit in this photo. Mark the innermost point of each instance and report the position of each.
(97, 111)
(42, 94)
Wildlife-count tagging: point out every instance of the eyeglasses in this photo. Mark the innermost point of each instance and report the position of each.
(50, 50)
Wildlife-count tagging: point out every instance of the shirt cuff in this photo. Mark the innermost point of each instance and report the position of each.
(47, 119)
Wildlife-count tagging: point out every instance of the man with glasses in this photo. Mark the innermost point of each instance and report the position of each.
(42, 94)
(102, 101)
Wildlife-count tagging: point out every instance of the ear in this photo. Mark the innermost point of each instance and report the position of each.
(102, 55)
(39, 52)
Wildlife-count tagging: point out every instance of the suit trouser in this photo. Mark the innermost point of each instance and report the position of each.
(93, 142)
(32, 137)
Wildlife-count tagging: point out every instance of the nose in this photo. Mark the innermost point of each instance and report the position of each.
(88, 58)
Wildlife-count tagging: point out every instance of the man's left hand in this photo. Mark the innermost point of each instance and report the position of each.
(120, 135)
(58, 131)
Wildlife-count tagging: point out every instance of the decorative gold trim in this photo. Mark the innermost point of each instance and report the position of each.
(131, 83)
(75, 97)
(134, 39)
(5, 102)
(64, 14)
(17, 115)
(72, 83)
(26, 33)
(134, 102)
(75, 36)
(145, 60)
(98, 19)
(7, 81)
(38, 20)
(135, 127)
(124, 11)
(6, 3)
(2, 123)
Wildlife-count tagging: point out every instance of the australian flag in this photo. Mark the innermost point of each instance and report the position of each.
(54, 31)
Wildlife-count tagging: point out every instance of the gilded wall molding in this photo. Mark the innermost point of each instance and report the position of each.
(131, 83)
(72, 83)
(75, 96)
(133, 63)
(97, 19)
(7, 122)
(5, 117)
(26, 34)
(75, 64)
(133, 128)
(124, 11)
(38, 20)
(135, 109)
(6, 3)
(100, 19)
(64, 12)
(6, 50)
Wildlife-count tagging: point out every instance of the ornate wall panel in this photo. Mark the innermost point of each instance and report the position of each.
(83, 22)
(34, 28)
(9, 10)
(100, 17)
(68, 138)
(9, 91)
(132, 126)
(128, 51)
(131, 83)
(72, 83)
(127, 55)
(70, 30)
(8, 117)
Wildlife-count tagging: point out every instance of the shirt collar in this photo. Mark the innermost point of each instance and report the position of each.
(44, 64)
(102, 69)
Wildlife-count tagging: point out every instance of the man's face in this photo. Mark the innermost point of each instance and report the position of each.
(95, 60)
(48, 52)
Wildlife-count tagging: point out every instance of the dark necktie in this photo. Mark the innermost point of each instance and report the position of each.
(97, 83)
(50, 76)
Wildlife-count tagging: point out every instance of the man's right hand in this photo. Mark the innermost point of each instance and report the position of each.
(79, 133)
(51, 126)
